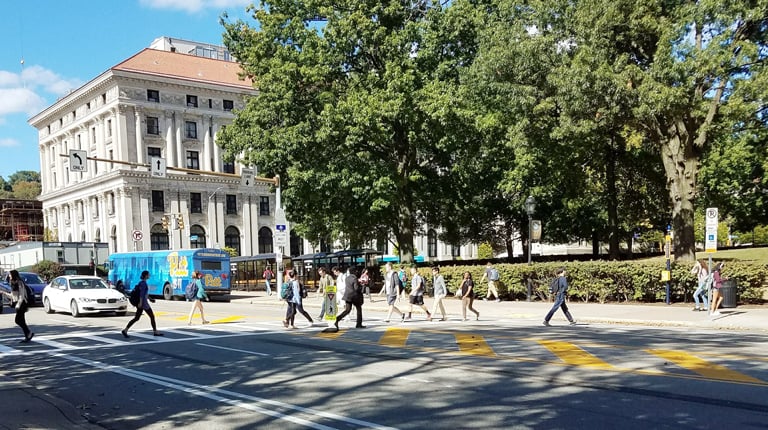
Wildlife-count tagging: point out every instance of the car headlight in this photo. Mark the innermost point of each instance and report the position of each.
(122, 299)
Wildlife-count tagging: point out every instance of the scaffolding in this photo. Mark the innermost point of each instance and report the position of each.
(21, 220)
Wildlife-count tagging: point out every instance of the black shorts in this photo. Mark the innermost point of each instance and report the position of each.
(416, 300)
(391, 300)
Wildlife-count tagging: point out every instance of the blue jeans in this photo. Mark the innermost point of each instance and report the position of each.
(269, 290)
(559, 303)
(701, 291)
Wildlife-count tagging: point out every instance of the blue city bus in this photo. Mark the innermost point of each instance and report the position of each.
(171, 271)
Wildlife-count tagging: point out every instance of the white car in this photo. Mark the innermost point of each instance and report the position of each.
(80, 295)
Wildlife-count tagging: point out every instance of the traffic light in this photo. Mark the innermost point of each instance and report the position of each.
(181, 222)
(165, 222)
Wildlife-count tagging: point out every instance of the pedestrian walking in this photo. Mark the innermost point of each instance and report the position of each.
(197, 295)
(21, 296)
(560, 291)
(717, 284)
(293, 299)
(416, 297)
(303, 293)
(467, 294)
(492, 275)
(324, 282)
(143, 306)
(365, 283)
(701, 270)
(353, 296)
(440, 291)
(391, 281)
(268, 275)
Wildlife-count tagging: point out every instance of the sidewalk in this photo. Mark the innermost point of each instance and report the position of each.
(28, 408)
(753, 317)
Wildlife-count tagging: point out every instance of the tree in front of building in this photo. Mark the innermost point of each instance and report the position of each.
(48, 269)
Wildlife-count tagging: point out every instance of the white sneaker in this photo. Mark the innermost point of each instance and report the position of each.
(715, 313)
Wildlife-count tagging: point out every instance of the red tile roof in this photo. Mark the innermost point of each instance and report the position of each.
(184, 66)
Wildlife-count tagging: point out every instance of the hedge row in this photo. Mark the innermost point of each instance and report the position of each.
(619, 281)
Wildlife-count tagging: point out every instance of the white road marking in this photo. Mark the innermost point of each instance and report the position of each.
(233, 349)
(218, 394)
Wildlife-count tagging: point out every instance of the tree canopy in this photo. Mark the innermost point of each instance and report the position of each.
(385, 116)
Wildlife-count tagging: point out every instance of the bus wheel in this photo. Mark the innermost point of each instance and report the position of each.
(167, 292)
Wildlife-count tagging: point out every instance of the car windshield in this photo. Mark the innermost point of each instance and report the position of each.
(84, 284)
(31, 278)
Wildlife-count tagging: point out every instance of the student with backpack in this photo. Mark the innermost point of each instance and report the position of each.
(559, 289)
(291, 293)
(142, 306)
(701, 270)
(21, 298)
(492, 274)
(195, 292)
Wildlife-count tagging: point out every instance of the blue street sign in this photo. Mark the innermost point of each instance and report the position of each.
(280, 227)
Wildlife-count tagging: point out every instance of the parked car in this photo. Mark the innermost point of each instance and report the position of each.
(34, 281)
(80, 295)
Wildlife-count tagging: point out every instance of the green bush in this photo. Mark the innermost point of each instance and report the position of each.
(606, 281)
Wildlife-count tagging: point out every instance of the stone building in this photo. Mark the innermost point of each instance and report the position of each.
(169, 103)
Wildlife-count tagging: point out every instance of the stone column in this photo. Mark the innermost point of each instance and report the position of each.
(207, 147)
(170, 152)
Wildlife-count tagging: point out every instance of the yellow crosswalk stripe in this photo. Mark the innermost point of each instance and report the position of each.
(394, 337)
(573, 355)
(330, 334)
(228, 319)
(703, 367)
(474, 344)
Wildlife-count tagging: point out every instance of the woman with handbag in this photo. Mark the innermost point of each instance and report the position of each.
(20, 300)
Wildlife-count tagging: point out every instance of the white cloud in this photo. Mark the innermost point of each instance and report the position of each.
(20, 100)
(26, 92)
(8, 142)
(36, 76)
(195, 5)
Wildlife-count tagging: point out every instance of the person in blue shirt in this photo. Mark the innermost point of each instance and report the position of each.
(197, 278)
(560, 292)
(143, 306)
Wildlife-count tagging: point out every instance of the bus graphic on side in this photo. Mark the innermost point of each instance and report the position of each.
(171, 271)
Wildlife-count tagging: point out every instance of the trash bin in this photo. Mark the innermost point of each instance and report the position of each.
(728, 291)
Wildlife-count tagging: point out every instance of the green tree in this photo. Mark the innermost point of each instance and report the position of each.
(26, 190)
(48, 269)
(344, 113)
(24, 176)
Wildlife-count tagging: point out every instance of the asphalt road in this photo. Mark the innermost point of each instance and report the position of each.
(246, 371)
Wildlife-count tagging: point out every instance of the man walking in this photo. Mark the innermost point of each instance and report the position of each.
(325, 281)
(392, 291)
(492, 274)
(440, 291)
(353, 296)
(416, 296)
(560, 291)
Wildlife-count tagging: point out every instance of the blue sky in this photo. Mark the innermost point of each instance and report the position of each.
(65, 44)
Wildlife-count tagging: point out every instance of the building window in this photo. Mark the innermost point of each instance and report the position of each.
(210, 103)
(231, 204)
(232, 238)
(154, 152)
(264, 205)
(111, 203)
(59, 255)
(455, 250)
(109, 128)
(229, 167)
(153, 125)
(158, 238)
(93, 135)
(193, 160)
(229, 105)
(265, 241)
(431, 243)
(297, 245)
(158, 201)
(191, 101)
(153, 96)
(191, 128)
(196, 237)
(196, 203)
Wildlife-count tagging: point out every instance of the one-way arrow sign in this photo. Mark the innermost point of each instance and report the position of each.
(246, 177)
(77, 160)
(157, 167)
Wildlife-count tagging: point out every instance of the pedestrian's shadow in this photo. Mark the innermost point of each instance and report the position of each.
(726, 314)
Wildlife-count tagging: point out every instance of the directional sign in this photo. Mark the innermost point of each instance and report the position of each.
(281, 238)
(246, 177)
(77, 160)
(157, 167)
(281, 228)
(710, 234)
(137, 235)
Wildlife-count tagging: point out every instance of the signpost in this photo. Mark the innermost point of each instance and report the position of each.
(158, 167)
(246, 177)
(77, 160)
(710, 238)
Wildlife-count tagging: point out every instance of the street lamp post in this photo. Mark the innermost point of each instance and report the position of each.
(530, 209)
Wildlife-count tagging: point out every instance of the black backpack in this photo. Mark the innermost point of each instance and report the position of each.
(303, 290)
(554, 285)
(135, 297)
(30, 295)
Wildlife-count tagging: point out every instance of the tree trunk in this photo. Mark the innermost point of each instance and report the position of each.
(681, 164)
(404, 234)
(595, 244)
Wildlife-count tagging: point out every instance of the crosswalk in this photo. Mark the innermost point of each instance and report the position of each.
(486, 345)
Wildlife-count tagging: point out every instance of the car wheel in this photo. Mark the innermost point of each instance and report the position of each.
(167, 292)
(73, 308)
(47, 306)
(121, 314)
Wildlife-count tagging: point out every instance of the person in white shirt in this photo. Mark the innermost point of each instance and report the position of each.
(440, 291)
(392, 292)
